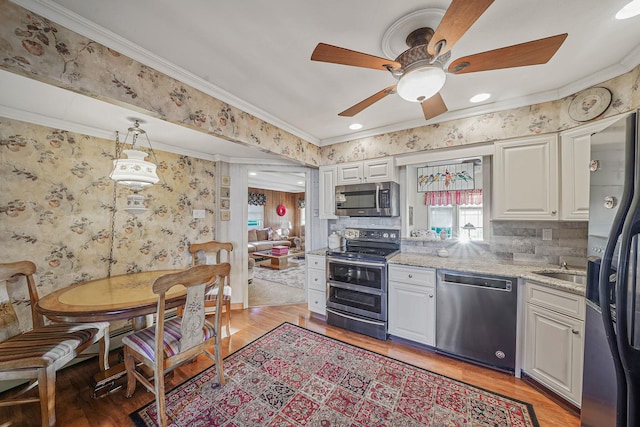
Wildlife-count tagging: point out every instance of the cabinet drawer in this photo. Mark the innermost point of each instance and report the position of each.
(316, 262)
(317, 279)
(413, 275)
(317, 301)
(557, 300)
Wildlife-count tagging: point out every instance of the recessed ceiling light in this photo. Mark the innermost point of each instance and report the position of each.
(300, 182)
(480, 97)
(355, 126)
(252, 174)
(629, 11)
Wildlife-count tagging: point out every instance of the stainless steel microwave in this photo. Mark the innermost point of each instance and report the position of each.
(371, 199)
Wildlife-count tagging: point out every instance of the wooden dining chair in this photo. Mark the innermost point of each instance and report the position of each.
(37, 354)
(204, 253)
(172, 342)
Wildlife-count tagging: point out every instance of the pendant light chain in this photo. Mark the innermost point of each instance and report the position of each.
(113, 209)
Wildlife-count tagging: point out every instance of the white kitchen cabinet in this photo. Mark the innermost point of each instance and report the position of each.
(412, 303)
(327, 192)
(554, 340)
(525, 179)
(575, 146)
(316, 284)
(375, 170)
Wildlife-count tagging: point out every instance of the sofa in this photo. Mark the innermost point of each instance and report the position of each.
(263, 239)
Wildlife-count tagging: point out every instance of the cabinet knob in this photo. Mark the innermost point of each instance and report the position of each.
(430, 295)
(411, 276)
(315, 280)
(554, 212)
(574, 332)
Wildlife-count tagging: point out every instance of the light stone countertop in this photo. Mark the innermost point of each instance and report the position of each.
(487, 266)
(493, 267)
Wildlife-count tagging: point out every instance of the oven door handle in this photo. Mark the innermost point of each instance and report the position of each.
(359, 319)
(357, 288)
(352, 262)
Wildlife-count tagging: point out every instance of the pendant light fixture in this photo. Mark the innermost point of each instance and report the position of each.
(133, 170)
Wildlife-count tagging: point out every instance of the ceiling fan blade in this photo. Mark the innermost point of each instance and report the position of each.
(458, 18)
(519, 55)
(339, 55)
(350, 112)
(433, 106)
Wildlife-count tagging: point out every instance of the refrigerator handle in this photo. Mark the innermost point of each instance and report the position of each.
(606, 270)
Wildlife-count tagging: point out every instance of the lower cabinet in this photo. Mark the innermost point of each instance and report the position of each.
(554, 340)
(412, 303)
(316, 284)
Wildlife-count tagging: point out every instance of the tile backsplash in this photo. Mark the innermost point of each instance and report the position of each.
(518, 241)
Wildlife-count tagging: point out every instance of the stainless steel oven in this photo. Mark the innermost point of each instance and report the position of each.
(358, 287)
(357, 281)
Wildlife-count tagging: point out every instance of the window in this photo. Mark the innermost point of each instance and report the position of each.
(255, 217)
(454, 218)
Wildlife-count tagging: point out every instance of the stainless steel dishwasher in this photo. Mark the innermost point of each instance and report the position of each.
(476, 317)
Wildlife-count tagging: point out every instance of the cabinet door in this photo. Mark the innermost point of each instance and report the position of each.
(575, 177)
(327, 190)
(349, 173)
(525, 179)
(379, 170)
(317, 302)
(412, 312)
(553, 351)
(574, 171)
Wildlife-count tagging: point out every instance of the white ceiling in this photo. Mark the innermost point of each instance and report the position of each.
(256, 56)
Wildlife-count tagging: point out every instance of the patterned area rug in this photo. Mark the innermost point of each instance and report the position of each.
(292, 276)
(294, 377)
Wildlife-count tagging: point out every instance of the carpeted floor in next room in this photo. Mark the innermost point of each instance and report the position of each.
(276, 287)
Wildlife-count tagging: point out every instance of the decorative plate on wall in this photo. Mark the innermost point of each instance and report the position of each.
(589, 104)
(281, 210)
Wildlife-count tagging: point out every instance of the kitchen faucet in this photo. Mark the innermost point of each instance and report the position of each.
(563, 266)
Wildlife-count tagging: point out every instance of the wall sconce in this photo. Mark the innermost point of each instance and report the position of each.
(134, 171)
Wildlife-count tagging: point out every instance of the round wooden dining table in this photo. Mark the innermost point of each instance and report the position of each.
(112, 298)
(128, 296)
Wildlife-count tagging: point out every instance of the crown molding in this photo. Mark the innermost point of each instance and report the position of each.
(78, 24)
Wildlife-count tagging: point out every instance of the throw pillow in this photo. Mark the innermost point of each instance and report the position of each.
(262, 234)
(275, 234)
(253, 236)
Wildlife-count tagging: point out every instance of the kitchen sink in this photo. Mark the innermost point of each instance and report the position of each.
(568, 277)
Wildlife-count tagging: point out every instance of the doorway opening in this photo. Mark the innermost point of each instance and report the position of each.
(276, 222)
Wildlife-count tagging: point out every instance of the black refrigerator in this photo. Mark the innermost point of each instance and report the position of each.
(611, 378)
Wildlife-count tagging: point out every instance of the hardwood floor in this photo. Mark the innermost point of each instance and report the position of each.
(76, 408)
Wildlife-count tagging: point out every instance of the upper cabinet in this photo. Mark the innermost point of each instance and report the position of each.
(575, 146)
(376, 170)
(327, 193)
(525, 179)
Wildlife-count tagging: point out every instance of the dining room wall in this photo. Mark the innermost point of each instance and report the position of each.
(57, 204)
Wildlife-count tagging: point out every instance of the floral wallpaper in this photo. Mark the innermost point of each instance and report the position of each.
(518, 122)
(57, 203)
(35, 47)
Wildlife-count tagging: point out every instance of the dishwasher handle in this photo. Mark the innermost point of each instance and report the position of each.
(489, 283)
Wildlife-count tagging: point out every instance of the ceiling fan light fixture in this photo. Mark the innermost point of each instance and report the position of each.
(421, 83)
(630, 10)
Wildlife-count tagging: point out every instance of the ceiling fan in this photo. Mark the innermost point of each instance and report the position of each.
(420, 69)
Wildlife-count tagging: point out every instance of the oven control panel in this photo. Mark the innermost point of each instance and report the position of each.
(390, 235)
